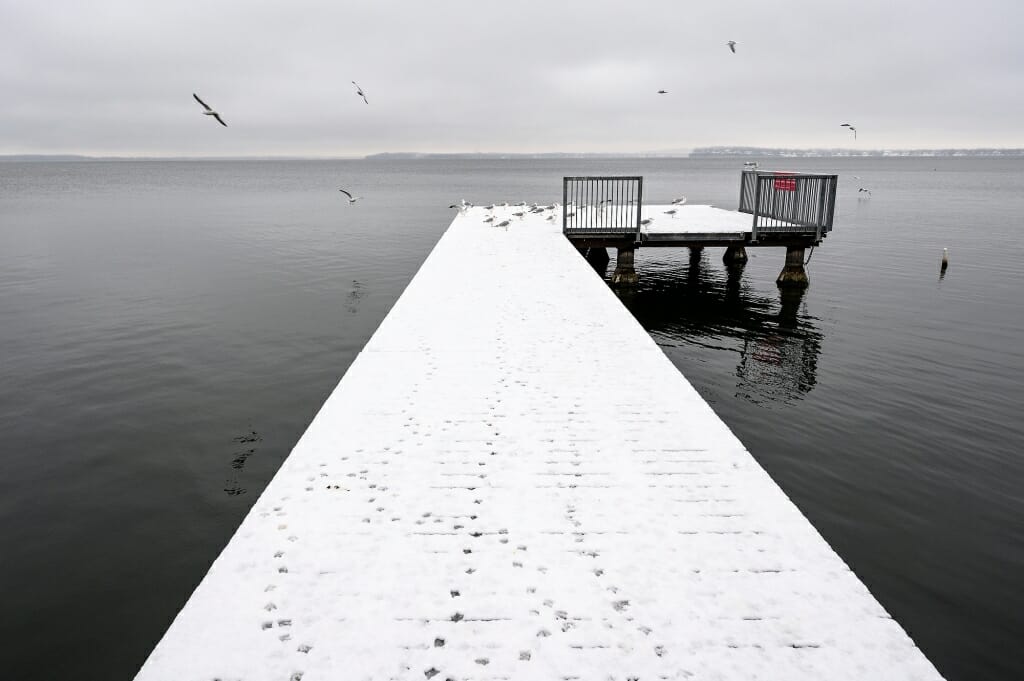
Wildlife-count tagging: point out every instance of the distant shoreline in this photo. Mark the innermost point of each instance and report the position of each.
(701, 152)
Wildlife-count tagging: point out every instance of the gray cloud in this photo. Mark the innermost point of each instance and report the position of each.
(116, 77)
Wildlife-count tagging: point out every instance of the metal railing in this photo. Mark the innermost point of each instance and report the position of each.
(602, 206)
(786, 204)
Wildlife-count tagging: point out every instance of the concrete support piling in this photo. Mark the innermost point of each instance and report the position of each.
(735, 255)
(624, 274)
(793, 274)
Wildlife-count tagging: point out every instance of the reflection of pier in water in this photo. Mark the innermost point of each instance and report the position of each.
(695, 300)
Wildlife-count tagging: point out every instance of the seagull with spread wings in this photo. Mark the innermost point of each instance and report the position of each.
(359, 91)
(351, 199)
(732, 46)
(852, 129)
(209, 111)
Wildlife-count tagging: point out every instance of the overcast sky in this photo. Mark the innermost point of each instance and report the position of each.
(117, 76)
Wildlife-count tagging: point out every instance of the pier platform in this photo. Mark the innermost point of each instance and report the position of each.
(512, 481)
(692, 224)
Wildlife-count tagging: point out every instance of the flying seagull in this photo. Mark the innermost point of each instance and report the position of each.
(732, 46)
(662, 92)
(852, 129)
(359, 91)
(862, 190)
(680, 201)
(209, 111)
(351, 199)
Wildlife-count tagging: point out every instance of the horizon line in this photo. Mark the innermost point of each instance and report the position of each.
(717, 150)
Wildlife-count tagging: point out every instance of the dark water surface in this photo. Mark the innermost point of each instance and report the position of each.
(168, 329)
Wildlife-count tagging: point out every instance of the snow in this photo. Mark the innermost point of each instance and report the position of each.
(696, 219)
(512, 481)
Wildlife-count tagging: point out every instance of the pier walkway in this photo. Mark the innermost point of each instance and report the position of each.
(512, 481)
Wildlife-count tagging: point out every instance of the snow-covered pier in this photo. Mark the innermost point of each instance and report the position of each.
(512, 481)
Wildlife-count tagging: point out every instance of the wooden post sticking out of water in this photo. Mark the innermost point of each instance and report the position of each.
(793, 274)
(624, 274)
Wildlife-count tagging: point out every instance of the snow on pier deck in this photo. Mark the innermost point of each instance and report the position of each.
(694, 222)
(512, 481)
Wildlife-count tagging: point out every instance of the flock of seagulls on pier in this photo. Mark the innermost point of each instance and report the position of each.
(503, 215)
(731, 44)
(510, 212)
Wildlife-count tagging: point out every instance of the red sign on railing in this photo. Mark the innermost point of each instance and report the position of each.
(784, 183)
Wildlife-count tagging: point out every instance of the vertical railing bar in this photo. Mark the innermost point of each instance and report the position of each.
(565, 213)
(639, 205)
(604, 195)
(590, 200)
(586, 198)
(757, 199)
(619, 201)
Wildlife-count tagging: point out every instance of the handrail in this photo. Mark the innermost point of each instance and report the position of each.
(784, 204)
(607, 206)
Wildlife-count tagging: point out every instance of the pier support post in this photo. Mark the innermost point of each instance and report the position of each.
(793, 274)
(624, 274)
(735, 255)
(598, 259)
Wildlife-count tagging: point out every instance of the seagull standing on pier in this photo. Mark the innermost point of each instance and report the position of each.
(209, 111)
(351, 199)
(852, 129)
(732, 46)
(359, 91)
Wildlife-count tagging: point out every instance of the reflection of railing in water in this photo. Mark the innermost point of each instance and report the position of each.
(778, 347)
(777, 366)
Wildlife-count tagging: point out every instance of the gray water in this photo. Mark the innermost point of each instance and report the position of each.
(168, 329)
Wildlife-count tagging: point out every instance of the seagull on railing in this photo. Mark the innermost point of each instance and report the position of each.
(209, 111)
(359, 91)
(671, 212)
(732, 46)
(351, 199)
(852, 129)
